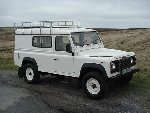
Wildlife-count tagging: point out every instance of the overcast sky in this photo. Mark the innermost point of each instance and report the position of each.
(91, 13)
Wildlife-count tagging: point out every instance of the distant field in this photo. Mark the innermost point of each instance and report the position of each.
(6, 49)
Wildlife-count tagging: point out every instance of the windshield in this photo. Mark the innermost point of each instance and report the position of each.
(85, 38)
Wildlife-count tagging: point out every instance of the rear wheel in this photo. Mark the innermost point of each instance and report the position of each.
(94, 85)
(20, 72)
(31, 74)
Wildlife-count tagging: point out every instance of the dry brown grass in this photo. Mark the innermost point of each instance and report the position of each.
(6, 48)
(6, 42)
(7, 34)
(131, 40)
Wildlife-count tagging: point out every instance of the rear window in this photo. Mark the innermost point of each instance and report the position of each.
(42, 41)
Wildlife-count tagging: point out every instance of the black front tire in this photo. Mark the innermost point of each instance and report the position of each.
(34, 73)
(100, 81)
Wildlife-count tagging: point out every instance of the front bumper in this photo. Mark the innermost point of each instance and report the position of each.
(118, 76)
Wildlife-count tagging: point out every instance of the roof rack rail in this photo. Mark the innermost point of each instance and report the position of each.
(47, 24)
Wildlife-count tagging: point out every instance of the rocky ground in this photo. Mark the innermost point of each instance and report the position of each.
(52, 95)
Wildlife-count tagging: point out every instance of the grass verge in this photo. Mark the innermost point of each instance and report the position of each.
(141, 84)
(7, 64)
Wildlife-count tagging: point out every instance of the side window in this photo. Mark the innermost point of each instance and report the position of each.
(46, 42)
(42, 41)
(61, 42)
(36, 42)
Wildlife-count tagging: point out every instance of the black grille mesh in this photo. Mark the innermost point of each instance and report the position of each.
(125, 63)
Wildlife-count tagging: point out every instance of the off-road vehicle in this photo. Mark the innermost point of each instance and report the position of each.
(64, 48)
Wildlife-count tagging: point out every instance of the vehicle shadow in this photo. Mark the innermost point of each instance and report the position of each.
(73, 87)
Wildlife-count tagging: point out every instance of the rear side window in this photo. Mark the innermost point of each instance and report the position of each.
(42, 41)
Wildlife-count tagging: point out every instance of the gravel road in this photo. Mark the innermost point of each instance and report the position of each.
(54, 96)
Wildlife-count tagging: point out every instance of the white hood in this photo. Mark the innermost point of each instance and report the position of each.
(104, 52)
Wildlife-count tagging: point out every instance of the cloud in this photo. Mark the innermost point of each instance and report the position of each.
(96, 13)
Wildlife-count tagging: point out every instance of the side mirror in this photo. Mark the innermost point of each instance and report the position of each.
(69, 49)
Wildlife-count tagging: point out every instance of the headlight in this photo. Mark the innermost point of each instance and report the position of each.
(113, 66)
(131, 60)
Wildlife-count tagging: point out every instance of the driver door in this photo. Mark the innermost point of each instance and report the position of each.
(63, 61)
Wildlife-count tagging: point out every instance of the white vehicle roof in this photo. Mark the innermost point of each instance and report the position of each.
(49, 27)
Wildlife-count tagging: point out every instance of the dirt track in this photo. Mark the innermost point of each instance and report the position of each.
(51, 95)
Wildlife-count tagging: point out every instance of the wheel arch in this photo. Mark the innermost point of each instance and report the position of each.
(87, 67)
(29, 60)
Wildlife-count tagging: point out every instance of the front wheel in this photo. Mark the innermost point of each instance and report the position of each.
(94, 85)
(31, 74)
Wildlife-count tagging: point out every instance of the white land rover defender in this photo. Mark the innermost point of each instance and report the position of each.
(64, 48)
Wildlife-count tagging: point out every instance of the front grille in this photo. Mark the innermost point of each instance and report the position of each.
(125, 63)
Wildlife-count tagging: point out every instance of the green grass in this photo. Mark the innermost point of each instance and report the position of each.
(7, 64)
(141, 84)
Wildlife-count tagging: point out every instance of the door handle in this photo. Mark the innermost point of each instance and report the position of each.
(55, 59)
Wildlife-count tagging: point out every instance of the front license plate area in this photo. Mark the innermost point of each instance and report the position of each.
(124, 71)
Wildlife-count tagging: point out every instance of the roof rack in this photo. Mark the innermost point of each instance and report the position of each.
(47, 24)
